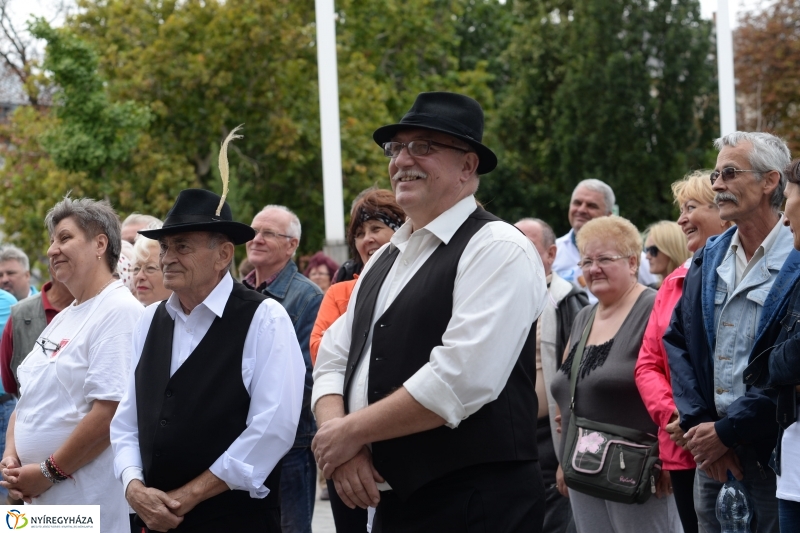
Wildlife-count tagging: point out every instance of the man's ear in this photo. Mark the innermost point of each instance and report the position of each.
(226, 250)
(470, 166)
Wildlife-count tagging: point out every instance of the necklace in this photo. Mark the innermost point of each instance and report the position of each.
(107, 283)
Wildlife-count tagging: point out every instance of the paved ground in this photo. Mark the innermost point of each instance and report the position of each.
(323, 519)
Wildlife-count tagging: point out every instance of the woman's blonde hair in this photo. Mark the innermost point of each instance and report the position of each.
(618, 230)
(670, 240)
(695, 185)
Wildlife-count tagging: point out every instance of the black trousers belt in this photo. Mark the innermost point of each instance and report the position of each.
(6, 397)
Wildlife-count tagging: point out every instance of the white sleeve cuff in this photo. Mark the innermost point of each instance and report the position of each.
(240, 476)
(330, 383)
(436, 395)
(129, 474)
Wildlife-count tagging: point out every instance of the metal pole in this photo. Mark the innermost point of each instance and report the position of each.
(727, 92)
(329, 126)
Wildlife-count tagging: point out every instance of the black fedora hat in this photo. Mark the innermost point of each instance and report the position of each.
(195, 210)
(450, 113)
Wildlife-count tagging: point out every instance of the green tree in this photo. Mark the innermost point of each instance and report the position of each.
(85, 144)
(604, 89)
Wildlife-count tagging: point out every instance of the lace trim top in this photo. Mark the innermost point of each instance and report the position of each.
(593, 357)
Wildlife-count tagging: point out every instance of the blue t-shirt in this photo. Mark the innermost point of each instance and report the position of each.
(6, 301)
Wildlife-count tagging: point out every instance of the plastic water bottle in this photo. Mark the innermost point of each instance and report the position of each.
(734, 507)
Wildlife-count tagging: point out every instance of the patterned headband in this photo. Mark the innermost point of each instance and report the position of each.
(393, 222)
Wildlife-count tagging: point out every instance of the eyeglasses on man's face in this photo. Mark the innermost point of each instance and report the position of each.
(602, 261)
(415, 148)
(727, 173)
(271, 235)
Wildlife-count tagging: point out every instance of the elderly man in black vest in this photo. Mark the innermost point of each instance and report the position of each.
(424, 389)
(215, 397)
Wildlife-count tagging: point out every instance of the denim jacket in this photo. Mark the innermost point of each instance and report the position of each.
(301, 298)
(692, 336)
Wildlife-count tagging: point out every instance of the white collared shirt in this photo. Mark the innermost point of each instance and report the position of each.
(272, 372)
(499, 291)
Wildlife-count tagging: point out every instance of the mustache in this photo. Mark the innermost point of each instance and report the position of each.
(400, 174)
(725, 196)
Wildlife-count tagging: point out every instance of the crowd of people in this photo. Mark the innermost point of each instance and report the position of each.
(457, 373)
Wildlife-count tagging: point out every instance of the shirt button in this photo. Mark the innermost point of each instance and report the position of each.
(168, 393)
(720, 390)
(163, 423)
(405, 262)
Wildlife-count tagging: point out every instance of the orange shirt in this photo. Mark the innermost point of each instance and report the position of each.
(334, 305)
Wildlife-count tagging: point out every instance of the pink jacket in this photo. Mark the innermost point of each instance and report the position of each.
(652, 371)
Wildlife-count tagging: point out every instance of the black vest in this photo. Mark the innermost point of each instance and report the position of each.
(188, 420)
(402, 340)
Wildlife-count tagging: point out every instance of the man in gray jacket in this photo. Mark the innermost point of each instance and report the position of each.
(552, 334)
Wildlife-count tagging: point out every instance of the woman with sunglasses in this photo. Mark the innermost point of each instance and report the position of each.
(699, 220)
(605, 391)
(57, 450)
(665, 248)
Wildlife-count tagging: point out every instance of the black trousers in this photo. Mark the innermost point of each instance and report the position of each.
(683, 490)
(557, 510)
(490, 498)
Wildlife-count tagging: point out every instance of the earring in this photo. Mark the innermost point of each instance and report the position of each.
(99, 258)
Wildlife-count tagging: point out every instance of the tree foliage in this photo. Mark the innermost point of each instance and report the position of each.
(767, 52)
(147, 89)
(603, 89)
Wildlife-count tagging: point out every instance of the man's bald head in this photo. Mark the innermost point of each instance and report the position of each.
(543, 238)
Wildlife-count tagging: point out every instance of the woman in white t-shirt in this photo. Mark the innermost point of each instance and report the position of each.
(57, 451)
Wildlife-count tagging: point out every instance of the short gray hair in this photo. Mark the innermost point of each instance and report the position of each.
(548, 235)
(138, 218)
(94, 218)
(9, 252)
(601, 187)
(294, 229)
(769, 153)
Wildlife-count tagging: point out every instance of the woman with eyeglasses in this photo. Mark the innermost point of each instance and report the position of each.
(57, 450)
(374, 218)
(148, 280)
(605, 392)
(665, 248)
(699, 220)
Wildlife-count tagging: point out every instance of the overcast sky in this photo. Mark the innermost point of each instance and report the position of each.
(21, 9)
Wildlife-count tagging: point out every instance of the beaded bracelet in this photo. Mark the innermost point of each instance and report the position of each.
(52, 463)
(46, 472)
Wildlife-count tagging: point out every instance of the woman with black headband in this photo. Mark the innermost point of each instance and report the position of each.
(374, 219)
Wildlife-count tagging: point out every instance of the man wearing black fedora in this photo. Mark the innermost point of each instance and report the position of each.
(424, 390)
(214, 400)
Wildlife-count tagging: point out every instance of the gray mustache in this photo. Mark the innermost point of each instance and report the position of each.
(725, 196)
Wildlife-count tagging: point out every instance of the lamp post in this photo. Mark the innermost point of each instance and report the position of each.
(727, 92)
(329, 127)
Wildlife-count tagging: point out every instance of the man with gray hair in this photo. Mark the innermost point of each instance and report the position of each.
(275, 275)
(15, 274)
(552, 334)
(591, 198)
(136, 221)
(735, 288)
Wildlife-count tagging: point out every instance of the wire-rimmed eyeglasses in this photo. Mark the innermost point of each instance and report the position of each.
(49, 348)
(415, 148)
(727, 173)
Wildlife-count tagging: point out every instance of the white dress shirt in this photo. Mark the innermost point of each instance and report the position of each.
(272, 372)
(499, 291)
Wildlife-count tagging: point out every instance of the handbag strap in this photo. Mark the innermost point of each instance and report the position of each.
(576, 359)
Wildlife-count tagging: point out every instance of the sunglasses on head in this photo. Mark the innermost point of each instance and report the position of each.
(652, 250)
